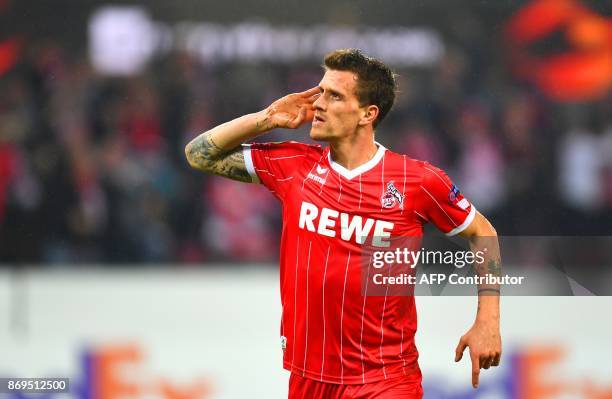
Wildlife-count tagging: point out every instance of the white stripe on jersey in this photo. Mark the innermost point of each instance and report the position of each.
(248, 163)
(439, 177)
(422, 217)
(439, 206)
(324, 181)
(468, 220)
(306, 338)
(273, 175)
(382, 329)
(365, 295)
(287, 157)
(297, 261)
(360, 194)
(342, 317)
(383, 182)
(323, 307)
(404, 189)
(340, 193)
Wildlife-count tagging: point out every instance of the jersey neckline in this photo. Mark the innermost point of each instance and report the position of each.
(350, 174)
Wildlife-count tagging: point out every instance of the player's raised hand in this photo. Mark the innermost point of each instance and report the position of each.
(484, 342)
(292, 110)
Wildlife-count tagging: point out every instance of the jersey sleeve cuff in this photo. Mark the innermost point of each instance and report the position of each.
(248, 161)
(468, 220)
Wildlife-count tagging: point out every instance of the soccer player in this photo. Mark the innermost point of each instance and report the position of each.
(338, 343)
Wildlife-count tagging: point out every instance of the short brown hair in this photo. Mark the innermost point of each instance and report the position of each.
(375, 81)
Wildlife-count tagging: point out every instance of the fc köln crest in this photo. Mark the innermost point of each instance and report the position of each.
(391, 197)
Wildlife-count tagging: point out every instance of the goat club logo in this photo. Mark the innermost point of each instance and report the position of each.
(391, 197)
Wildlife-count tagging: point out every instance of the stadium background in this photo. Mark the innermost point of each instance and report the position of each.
(117, 258)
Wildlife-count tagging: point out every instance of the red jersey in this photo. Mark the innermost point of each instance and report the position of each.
(329, 331)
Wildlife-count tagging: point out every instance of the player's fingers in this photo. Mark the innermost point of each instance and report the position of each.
(475, 370)
(496, 360)
(310, 92)
(309, 114)
(485, 361)
(460, 349)
(313, 98)
(295, 123)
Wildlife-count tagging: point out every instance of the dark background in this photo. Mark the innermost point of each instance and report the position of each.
(92, 168)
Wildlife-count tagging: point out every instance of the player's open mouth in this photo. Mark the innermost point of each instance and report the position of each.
(317, 120)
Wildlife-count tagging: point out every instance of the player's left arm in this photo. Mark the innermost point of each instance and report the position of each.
(483, 338)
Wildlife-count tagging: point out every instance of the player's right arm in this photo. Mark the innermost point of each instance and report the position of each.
(218, 151)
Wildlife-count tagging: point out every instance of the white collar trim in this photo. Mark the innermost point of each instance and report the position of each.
(350, 174)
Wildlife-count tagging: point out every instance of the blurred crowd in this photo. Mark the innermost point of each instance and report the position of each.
(92, 168)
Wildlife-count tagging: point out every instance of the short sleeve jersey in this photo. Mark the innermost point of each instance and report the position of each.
(330, 332)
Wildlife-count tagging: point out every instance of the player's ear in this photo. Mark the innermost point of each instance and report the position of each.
(369, 115)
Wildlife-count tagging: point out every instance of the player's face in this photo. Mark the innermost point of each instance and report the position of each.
(337, 111)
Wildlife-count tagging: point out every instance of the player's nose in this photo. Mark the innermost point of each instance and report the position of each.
(319, 103)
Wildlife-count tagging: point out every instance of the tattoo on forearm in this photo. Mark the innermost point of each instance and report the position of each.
(205, 155)
(265, 124)
(214, 149)
(259, 124)
(494, 268)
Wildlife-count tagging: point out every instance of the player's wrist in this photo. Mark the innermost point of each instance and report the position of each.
(487, 318)
(264, 120)
(488, 309)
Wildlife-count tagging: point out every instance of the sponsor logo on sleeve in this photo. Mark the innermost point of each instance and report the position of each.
(453, 197)
(453, 194)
